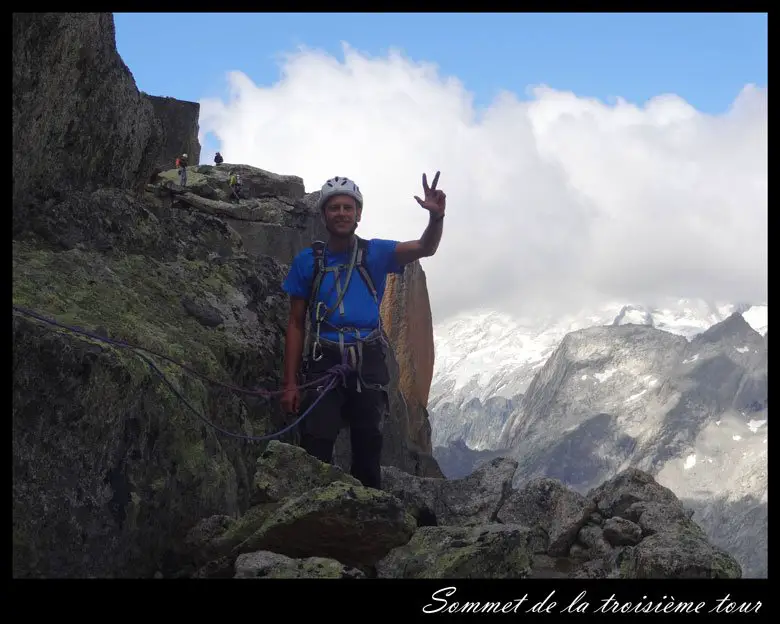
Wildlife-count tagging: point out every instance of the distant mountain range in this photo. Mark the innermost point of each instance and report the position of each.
(679, 392)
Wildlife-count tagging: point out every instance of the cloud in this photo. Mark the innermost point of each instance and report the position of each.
(555, 203)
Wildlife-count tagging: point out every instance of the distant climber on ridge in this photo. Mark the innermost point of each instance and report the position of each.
(235, 185)
(218, 160)
(346, 323)
(181, 165)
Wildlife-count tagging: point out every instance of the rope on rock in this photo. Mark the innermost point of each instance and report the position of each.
(330, 378)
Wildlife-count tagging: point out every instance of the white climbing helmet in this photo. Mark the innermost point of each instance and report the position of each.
(339, 186)
(184, 155)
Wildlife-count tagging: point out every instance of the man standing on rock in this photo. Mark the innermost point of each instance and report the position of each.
(341, 284)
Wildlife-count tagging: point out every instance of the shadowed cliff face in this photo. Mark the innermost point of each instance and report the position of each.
(79, 121)
(179, 130)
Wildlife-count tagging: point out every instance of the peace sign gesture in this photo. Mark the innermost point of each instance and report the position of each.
(435, 200)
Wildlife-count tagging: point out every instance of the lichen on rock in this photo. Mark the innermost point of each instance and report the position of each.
(678, 554)
(284, 470)
(268, 565)
(483, 551)
(352, 524)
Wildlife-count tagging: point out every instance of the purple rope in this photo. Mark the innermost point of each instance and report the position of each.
(334, 374)
(337, 372)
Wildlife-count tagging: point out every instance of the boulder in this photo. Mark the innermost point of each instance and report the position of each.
(678, 554)
(352, 524)
(655, 517)
(269, 565)
(616, 495)
(199, 538)
(313, 510)
(214, 539)
(592, 539)
(551, 506)
(259, 183)
(622, 532)
(475, 499)
(264, 211)
(646, 533)
(285, 471)
(457, 552)
(272, 218)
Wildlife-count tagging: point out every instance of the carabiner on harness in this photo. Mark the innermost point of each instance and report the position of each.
(316, 348)
(316, 351)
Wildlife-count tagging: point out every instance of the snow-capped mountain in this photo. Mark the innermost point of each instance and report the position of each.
(488, 351)
(487, 354)
(689, 406)
(692, 413)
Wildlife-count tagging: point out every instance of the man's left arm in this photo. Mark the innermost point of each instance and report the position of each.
(435, 203)
(426, 245)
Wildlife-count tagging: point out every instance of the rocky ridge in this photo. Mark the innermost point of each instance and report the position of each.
(319, 522)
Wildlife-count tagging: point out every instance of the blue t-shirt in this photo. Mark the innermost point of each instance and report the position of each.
(360, 311)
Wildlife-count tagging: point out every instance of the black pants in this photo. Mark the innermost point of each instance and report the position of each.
(362, 411)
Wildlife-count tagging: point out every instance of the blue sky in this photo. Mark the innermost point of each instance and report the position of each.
(704, 58)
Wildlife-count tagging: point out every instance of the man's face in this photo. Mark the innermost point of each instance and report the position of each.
(341, 215)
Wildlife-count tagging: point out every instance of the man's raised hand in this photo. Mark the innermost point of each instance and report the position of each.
(435, 200)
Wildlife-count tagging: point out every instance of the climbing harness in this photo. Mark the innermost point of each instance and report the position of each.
(321, 312)
(330, 377)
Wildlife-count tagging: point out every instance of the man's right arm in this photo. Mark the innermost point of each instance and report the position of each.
(296, 285)
(293, 348)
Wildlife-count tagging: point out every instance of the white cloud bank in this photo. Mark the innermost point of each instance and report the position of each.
(553, 204)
